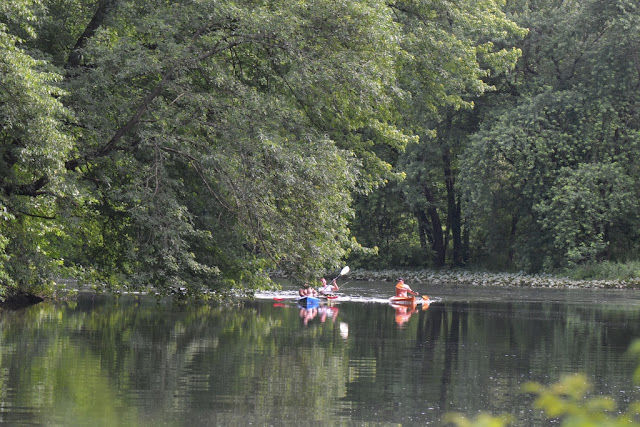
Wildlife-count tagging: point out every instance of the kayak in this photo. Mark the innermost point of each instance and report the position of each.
(308, 302)
(409, 301)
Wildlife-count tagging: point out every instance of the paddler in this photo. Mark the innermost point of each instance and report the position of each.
(307, 291)
(402, 289)
(328, 289)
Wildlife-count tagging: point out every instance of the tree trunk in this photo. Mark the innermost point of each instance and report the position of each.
(454, 221)
(424, 231)
(466, 241)
(439, 249)
(512, 237)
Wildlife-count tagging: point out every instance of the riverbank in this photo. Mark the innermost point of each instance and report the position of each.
(427, 277)
(20, 299)
(463, 277)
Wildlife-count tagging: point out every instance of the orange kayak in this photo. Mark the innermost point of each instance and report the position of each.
(409, 300)
(403, 300)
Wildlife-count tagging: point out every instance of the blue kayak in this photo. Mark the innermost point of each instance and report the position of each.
(308, 302)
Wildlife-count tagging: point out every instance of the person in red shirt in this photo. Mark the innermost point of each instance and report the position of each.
(402, 289)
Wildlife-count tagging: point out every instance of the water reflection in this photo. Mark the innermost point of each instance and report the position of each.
(323, 312)
(135, 362)
(405, 311)
(308, 314)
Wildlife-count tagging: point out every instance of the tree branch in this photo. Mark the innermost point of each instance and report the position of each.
(198, 168)
(97, 20)
(146, 102)
(33, 189)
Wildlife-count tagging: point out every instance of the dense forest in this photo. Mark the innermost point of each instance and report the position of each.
(201, 144)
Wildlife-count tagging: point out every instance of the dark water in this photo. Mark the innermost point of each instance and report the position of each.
(266, 362)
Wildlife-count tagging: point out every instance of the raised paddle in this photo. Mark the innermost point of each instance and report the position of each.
(344, 271)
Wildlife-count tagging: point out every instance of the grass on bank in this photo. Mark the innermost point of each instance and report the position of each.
(604, 270)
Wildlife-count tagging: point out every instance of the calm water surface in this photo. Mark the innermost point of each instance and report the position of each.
(359, 361)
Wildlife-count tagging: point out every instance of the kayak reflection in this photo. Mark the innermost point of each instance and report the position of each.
(323, 312)
(405, 310)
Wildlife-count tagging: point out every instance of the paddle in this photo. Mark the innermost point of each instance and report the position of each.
(425, 300)
(424, 297)
(344, 271)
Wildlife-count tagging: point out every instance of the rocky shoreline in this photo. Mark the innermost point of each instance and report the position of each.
(462, 277)
(426, 277)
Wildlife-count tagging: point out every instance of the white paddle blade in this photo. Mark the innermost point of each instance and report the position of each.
(344, 271)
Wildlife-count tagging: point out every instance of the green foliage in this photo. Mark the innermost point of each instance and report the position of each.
(193, 146)
(240, 167)
(384, 223)
(450, 52)
(584, 205)
(209, 143)
(20, 16)
(551, 173)
(33, 145)
(482, 420)
(569, 399)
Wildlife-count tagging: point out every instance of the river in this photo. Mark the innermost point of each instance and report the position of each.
(358, 361)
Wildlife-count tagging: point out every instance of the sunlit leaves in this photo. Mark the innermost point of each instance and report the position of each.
(225, 138)
(571, 401)
(33, 146)
(30, 118)
(482, 420)
(21, 14)
(453, 48)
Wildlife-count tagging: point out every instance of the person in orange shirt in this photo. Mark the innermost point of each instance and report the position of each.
(402, 289)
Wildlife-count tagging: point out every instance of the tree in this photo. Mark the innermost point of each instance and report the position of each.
(33, 144)
(451, 51)
(217, 141)
(565, 129)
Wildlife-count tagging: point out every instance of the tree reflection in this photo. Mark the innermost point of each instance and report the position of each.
(137, 362)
